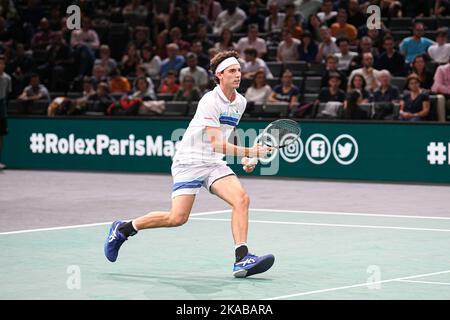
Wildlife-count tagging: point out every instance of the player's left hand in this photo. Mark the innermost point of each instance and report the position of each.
(247, 166)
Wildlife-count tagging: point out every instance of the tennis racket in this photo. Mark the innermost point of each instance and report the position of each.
(278, 134)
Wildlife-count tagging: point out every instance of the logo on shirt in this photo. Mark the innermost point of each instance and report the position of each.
(230, 118)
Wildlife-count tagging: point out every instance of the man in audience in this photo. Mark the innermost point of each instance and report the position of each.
(252, 41)
(252, 64)
(369, 73)
(174, 61)
(197, 73)
(35, 91)
(440, 51)
(391, 59)
(417, 44)
(232, 18)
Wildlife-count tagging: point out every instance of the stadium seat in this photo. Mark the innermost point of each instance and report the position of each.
(38, 107)
(399, 82)
(312, 84)
(192, 108)
(275, 67)
(310, 97)
(400, 24)
(280, 110)
(176, 108)
(165, 96)
(430, 23)
(315, 69)
(297, 68)
(13, 106)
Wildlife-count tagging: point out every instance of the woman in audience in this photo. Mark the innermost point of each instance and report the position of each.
(143, 90)
(130, 60)
(308, 48)
(226, 41)
(415, 105)
(418, 67)
(151, 61)
(259, 91)
(286, 91)
(356, 96)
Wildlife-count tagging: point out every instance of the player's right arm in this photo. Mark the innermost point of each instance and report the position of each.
(219, 145)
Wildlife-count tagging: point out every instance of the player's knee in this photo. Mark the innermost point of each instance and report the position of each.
(243, 201)
(176, 220)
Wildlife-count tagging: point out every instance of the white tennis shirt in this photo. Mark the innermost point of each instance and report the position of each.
(214, 110)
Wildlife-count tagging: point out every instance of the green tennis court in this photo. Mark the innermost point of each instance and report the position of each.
(319, 255)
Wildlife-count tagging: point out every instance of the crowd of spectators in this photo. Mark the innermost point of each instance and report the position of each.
(130, 54)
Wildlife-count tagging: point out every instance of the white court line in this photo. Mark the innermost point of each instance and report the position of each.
(366, 284)
(426, 282)
(94, 224)
(352, 214)
(331, 225)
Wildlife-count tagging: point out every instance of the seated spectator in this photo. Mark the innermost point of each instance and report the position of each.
(226, 41)
(313, 26)
(43, 37)
(118, 83)
(202, 36)
(33, 92)
(20, 66)
(442, 8)
(134, 8)
(292, 24)
(130, 60)
(274, 22)
(202, 58)
(415, 105)
(254, 17)
(327, 45)
(365, 46)
(210, 9)
(286, 91)
(391, 59)
(141, 72)
(411, 47)
(143, 90)
(199, 74)
(232, 18)
(169, 83)
(326, 15)
(84, 43)
(252, 64)
(441, 83)
(368, 72)
(386, 92)
(140, 36)
(356, 96)
(308, 48)
(342, 29)
(194, 18)
(252, 41)
(98, 101)
(176, 37)
(57, 68)
(288, 48)
(105, 59)
(259, 91)
(331, 67)
(332, 92)
(151, 61)
(440, 51)
(174, 61)
(345, 56)
(419, 68)
(355, 15)
(99, 75)
(188, 90)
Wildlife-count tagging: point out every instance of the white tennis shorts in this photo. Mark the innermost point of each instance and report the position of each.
(188, 179)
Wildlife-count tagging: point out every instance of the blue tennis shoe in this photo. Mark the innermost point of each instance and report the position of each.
(251, 264)
(114, 241)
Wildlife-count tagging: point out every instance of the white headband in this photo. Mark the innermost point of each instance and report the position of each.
(226, 63)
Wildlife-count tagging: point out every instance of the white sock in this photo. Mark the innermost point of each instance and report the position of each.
(240, 244)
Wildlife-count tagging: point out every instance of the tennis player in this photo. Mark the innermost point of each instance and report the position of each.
(199, 162)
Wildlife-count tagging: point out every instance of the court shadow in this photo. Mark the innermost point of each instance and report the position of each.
(192, 283)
